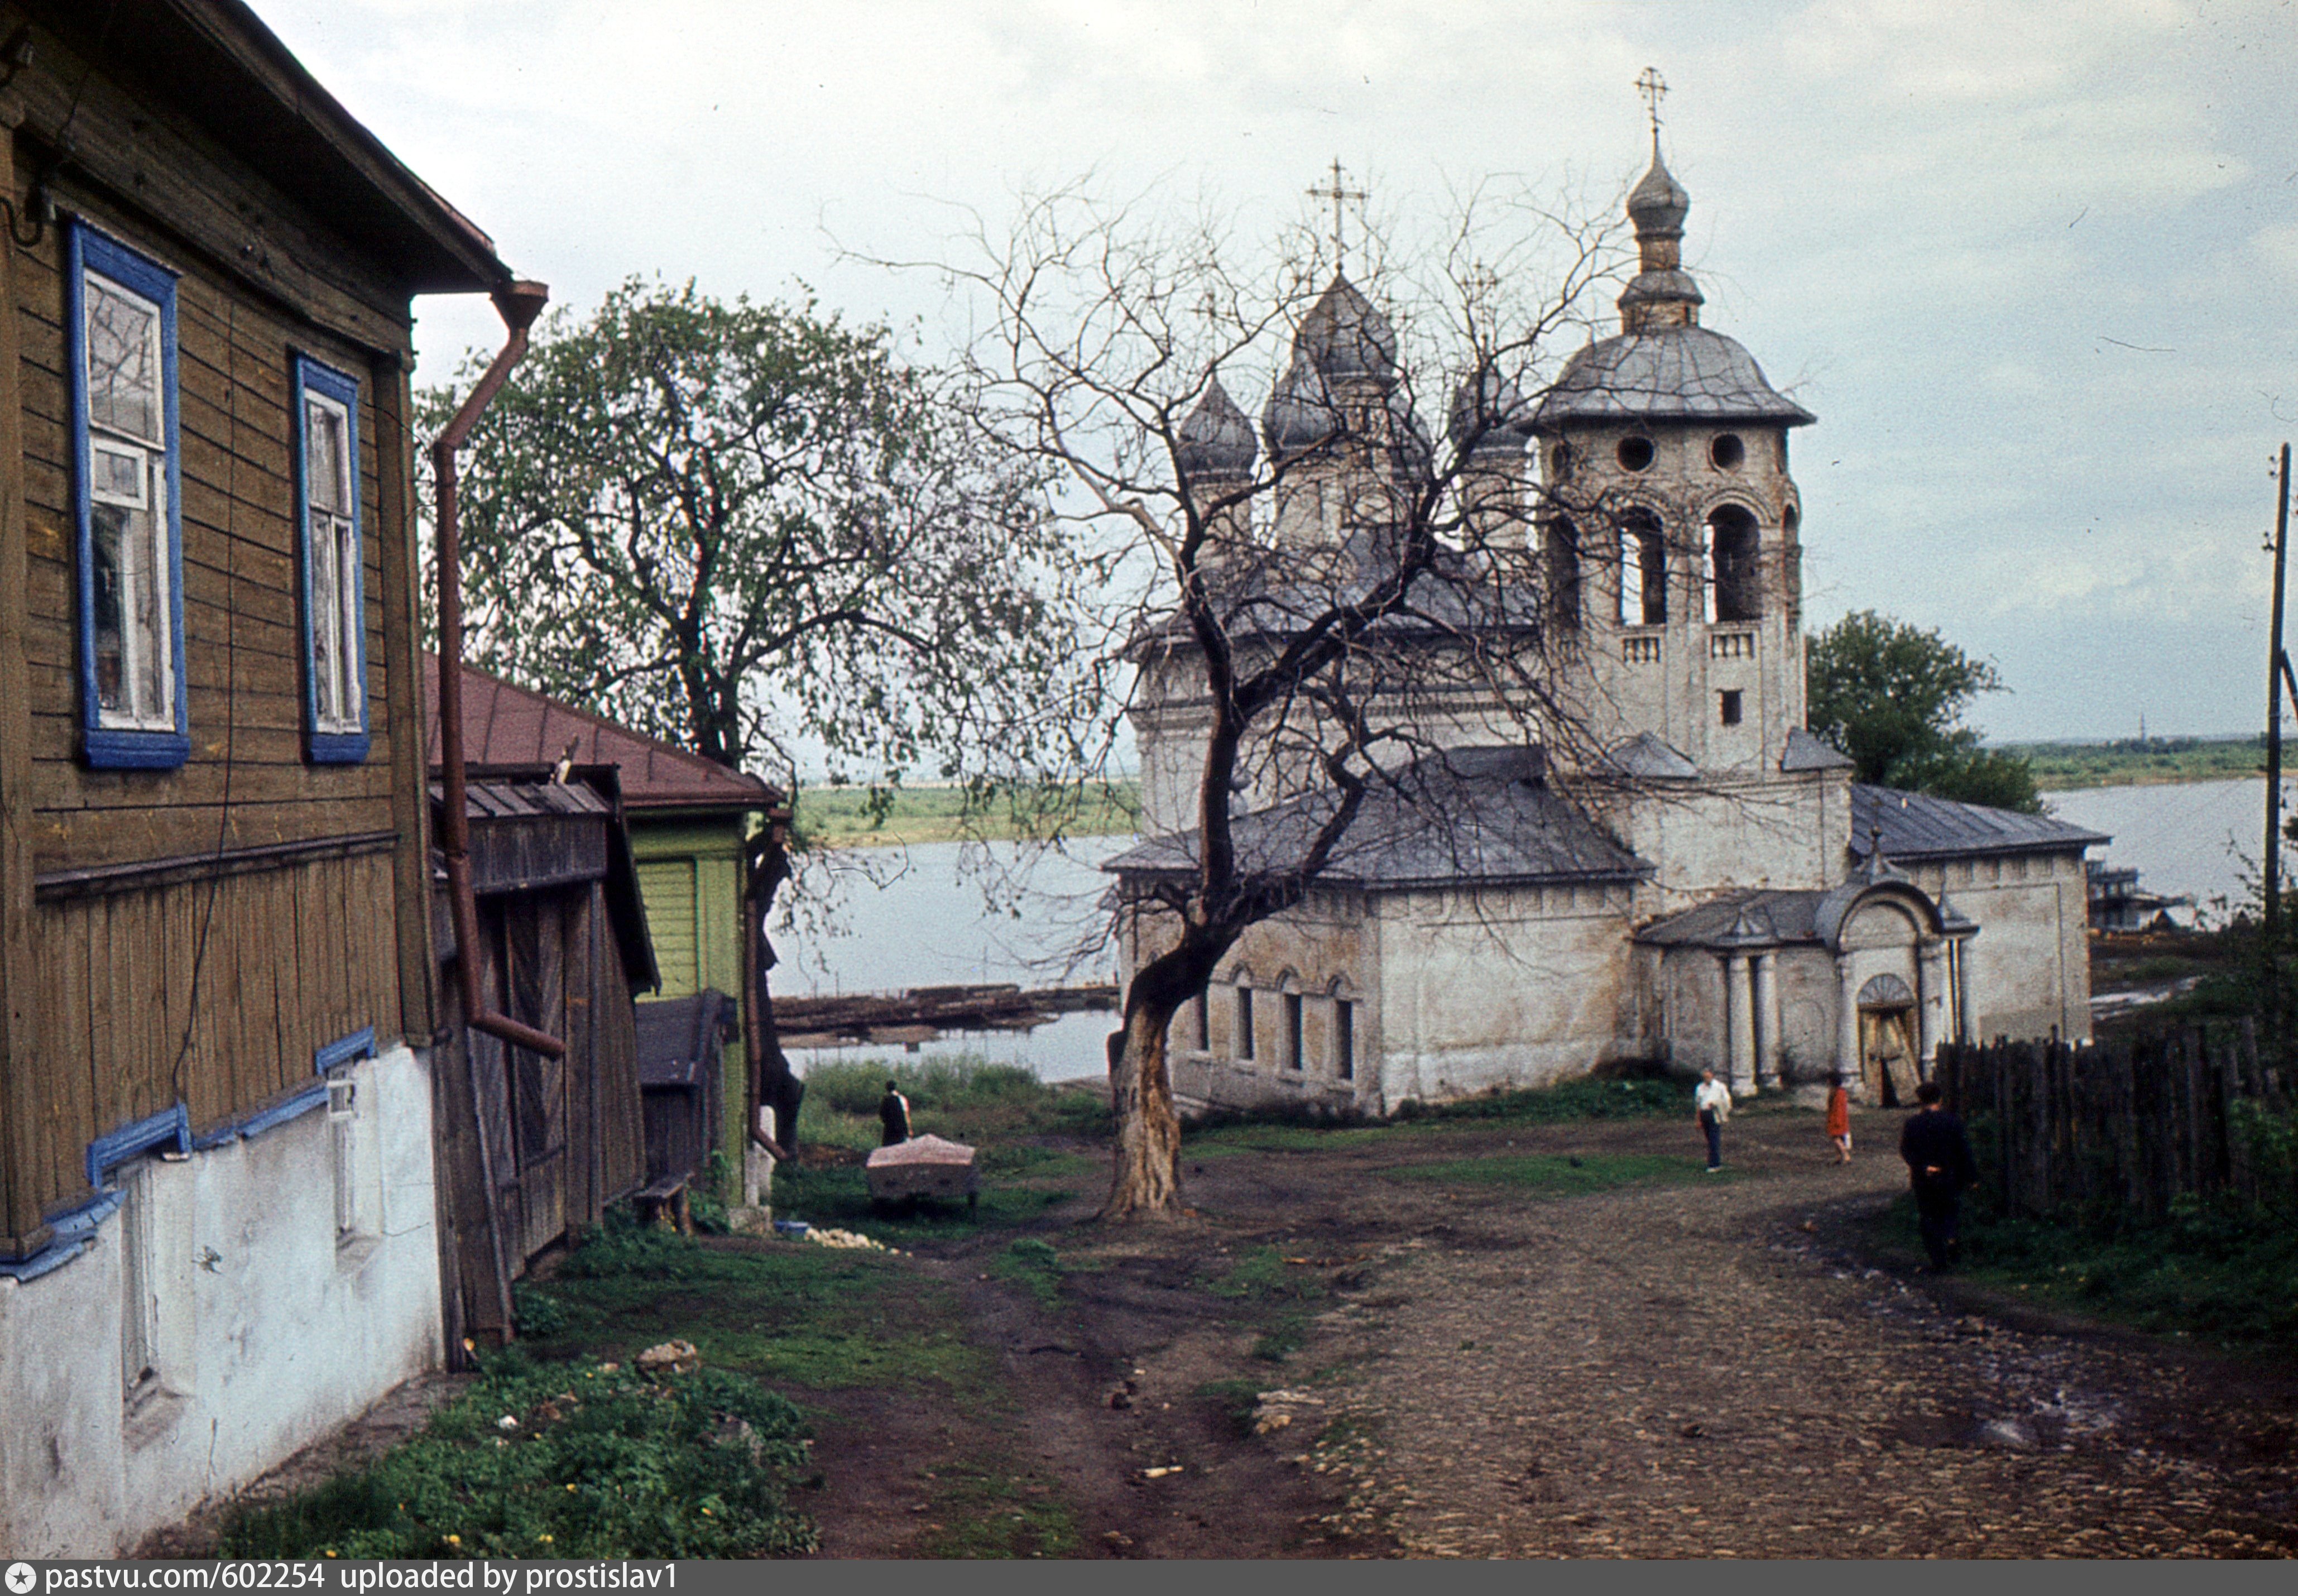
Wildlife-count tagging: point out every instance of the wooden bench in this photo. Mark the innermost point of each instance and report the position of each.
(664, 1203)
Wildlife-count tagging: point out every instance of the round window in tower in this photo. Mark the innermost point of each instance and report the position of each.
(1636, 454)
(1727, 451)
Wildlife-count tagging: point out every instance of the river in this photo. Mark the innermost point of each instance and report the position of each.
(909, 918)
(2196, 838)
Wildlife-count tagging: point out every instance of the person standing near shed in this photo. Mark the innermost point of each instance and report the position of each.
(1713, 1104)
(1939, 1165)
(893, 1116)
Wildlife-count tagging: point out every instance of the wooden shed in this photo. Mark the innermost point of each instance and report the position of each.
(532, 1148)
(709, 842)
(681, 1041)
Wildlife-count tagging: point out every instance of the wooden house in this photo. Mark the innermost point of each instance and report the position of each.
(217, 987)
(708, 842)
(532, 1147)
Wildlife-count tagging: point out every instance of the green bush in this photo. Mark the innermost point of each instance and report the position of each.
(1587, 1097)
(557, 1460)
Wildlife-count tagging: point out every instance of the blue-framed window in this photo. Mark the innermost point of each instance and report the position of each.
(128, 493)
(334, 612)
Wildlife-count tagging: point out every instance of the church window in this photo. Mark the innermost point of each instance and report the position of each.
(1735, 585)
(1560, 550)
(1643, 570)
(1728, 705)
(1637, 453)
(1727, 451)
(1344, 1037)
(1562, 461)
(1295, 1041)
(1205, 1008)
(1244, 1023)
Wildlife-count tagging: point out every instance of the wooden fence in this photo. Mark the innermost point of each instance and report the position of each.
(2126, 1126)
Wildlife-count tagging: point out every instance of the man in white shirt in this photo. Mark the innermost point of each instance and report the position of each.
(1714, 1103)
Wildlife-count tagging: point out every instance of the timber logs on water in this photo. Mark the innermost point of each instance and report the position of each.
(819, 1022)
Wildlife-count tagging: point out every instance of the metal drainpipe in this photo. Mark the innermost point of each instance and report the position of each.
(518, 303)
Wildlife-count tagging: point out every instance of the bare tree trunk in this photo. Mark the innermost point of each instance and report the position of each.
(1147, 1179)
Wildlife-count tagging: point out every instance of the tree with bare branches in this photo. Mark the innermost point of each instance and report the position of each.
(1350, 641)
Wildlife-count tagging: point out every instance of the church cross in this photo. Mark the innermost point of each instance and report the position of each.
(1654, 89)
(1336, 193)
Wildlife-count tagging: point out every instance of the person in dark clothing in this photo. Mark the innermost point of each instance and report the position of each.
(1940, 1166)
(893, 1116)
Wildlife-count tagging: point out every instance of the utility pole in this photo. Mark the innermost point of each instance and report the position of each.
(2278, 672)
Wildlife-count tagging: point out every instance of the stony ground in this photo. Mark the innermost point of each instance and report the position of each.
(1332, 1355)
(1707, 1368)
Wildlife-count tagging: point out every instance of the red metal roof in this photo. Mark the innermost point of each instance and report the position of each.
(507, 726)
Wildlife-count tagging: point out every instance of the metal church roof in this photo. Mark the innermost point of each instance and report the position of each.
(1670, 373)
(1481, 815)
(1915, 825)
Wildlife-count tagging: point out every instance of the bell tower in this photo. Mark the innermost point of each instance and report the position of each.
(1665, 454)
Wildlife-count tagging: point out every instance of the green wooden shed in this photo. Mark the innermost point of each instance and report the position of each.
(708, 839)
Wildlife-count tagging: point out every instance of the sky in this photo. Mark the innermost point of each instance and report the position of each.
(2032, 265)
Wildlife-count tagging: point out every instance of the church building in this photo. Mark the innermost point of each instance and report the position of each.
(1702, 884)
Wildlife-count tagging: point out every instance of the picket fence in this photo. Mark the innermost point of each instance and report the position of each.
(2129, 1125)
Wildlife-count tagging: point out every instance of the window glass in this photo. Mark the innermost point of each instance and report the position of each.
(333, 611)
(131, 609)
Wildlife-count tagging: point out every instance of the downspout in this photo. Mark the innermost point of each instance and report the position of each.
(518, 303)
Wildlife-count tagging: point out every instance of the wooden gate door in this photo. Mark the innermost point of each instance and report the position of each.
(1887, 1055)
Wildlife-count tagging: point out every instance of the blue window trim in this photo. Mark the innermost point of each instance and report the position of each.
(360, 1044)
(302, 1103)
(329, 748)
(170, 1127)
(117, 748)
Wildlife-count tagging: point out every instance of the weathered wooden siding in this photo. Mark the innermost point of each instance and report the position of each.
(189, 985)
(214, 993)
(247, 783)
(532, 1149)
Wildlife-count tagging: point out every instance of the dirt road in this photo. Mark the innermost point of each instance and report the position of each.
(1697, 1367)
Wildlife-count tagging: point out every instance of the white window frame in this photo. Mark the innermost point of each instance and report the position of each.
(332, 569)
(148, 723)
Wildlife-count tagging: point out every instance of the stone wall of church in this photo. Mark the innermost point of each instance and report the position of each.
(2030, 965)
(1507, 987)
(1231, 1050)
(1786, 833)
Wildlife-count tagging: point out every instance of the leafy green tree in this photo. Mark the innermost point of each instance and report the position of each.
(754, 531)
(1892, 695)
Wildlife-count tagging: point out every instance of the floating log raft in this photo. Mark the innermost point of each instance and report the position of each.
(871, 1016)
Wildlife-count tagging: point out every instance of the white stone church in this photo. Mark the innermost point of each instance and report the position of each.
(1730, 898)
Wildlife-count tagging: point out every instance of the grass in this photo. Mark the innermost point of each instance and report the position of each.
(962, 1098)
(987, 1512)
(884, 817)
(563, 1461)
(1588, 1097)
(1277, 1298)
(809, 1316)
(1033, 1265)
(2227, 1279)
(1561, 1174)
(2066, 766)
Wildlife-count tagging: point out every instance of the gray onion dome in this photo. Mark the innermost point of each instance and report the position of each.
(1658, 204)
(1217, 439)
(1491, 411)
(1344, 336)
(1301, 413)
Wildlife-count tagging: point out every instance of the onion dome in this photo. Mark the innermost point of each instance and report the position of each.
(1343, 336)
(1488, 414)
(1658, 204)
(1217, 439)
(1664, 366)
(1663, 293)
(1301, 413)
